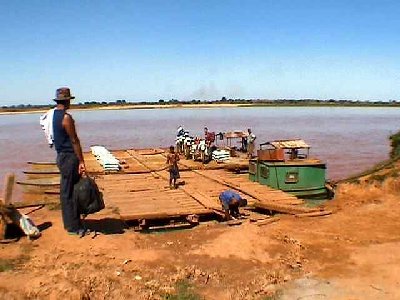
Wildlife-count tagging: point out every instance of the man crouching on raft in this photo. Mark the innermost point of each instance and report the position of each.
(230, 204)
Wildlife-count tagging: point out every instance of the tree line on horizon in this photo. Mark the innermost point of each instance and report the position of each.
(223, 100)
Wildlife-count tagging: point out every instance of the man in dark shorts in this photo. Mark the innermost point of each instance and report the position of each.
(250, 143)
(172, 162)
(230, 202)
(69, 160)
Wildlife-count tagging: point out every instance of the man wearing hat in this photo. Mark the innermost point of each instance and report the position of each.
(69, 159)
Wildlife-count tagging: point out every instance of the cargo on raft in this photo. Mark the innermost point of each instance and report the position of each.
(286, 165)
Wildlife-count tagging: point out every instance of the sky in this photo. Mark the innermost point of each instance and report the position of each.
(163, 49)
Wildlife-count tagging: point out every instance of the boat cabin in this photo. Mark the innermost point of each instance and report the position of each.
(286, 165)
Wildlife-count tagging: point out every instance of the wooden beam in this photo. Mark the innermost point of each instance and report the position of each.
(288, 209)
(314, 214)
(8, 188)
(157, 215)
(268, 221)
(3, 226)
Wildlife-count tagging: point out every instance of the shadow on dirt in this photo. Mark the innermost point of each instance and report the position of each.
(105, 226)
(44, 226)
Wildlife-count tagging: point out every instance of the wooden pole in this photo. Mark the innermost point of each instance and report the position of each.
(3, 226)
(8, 188)
(5, 201)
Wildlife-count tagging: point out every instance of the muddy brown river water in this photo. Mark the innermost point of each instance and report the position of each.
(348, 139)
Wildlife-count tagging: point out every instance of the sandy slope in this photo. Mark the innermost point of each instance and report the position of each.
(352, 254)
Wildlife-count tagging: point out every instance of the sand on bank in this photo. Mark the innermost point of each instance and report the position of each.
(342, 256)
(128, 107)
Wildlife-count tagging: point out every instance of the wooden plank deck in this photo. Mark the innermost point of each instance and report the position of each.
(143, 196)
(141, 191)
(140, 196)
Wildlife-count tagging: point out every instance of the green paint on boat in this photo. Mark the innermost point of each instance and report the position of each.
(283, 166)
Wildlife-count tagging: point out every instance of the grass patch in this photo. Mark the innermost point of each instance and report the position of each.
(54, 206)
(276, 296)
(395, 145)
(184, 291)
(7, 264)
(377, 177)
(354, 181)
(13, 263)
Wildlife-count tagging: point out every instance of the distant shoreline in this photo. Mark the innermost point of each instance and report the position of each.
(15, 111)
(118, 107)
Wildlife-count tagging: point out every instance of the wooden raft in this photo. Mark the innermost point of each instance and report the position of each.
(141, 191)
(142, 196)
(147, 196)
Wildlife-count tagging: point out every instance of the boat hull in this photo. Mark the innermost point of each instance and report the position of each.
(304, 179)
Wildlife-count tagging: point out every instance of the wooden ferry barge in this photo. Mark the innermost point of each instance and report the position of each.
(139, 190)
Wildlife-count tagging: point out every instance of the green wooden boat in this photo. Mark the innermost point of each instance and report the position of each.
(287, 166)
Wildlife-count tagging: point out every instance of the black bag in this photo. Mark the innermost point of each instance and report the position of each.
(87, 196)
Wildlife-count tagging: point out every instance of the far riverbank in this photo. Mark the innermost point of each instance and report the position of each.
(130, 106)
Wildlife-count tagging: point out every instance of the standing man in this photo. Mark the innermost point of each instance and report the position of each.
(69, 159)
(206, 135)
(172, 163)
(244, 142)
(205, 132)
(209, 137)
(250, 143)
(230, 202)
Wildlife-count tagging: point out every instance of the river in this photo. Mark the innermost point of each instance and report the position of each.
(348, 139)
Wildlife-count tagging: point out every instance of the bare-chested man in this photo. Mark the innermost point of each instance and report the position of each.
(172, 162)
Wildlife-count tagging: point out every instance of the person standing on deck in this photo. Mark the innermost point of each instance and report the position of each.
(172, 162)
(205, 132)
(250, 143)
(244, 143)
(69, 159)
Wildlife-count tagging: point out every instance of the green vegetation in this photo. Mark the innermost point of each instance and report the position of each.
(54, 206)
(224, 100)
(377, 177)
(12, 263)
(276, 296)
(7, 264)
(395, 144)
(184, 291)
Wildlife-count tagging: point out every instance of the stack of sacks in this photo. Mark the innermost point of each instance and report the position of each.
(220, 155)
(105, 158)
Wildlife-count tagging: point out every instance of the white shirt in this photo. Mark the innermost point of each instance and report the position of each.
(46, 122)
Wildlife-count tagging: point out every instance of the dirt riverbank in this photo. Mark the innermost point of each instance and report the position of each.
(351, 254)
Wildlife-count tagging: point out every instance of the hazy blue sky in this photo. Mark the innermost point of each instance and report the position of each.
(150, 50)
